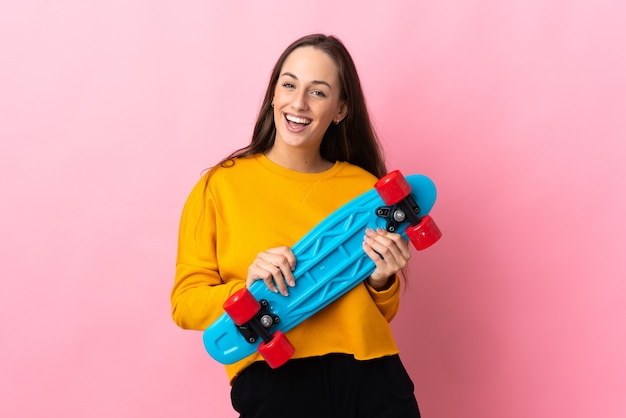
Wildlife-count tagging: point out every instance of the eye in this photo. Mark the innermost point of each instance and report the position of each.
(287, 85)
(318, 93)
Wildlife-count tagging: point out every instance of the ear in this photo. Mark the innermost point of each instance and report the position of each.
(343, 112)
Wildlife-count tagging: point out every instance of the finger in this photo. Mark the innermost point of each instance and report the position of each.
(286, 261)
(382, 270)
(401, 244)
(255, 272)
(274, 277)
(372, 254)
(283, 259)
(274, 267)
(287, 253)
(388, 250)
(388, 245)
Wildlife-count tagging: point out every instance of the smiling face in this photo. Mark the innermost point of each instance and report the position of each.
(307, 99)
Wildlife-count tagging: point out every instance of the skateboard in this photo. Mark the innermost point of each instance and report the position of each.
(330, 262)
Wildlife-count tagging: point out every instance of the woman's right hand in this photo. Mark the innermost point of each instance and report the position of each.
(275, 267)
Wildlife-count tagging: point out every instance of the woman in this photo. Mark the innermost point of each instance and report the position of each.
(313, 149)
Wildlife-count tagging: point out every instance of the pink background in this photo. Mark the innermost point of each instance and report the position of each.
(109, 111)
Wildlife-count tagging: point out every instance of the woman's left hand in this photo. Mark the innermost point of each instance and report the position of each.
(389, 252)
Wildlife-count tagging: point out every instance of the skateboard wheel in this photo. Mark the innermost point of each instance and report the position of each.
(241, 306)
(277, 351)
(424, 234)
(393, 187)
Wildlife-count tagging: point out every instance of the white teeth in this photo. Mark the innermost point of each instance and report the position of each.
(296, 119)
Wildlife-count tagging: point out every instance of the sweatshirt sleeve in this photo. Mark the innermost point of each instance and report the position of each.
(388, 300)
(199, 291)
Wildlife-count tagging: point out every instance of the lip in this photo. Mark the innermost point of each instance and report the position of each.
(296, 123)
(302, 120)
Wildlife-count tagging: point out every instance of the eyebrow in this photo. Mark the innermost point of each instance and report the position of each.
(288, 74)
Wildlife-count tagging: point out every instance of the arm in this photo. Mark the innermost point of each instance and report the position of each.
(387, 300)
(199, 291)
(390, 253)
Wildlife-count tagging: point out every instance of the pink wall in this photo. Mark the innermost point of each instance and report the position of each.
(110, 110)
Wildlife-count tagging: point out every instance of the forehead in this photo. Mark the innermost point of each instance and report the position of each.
(309, 63)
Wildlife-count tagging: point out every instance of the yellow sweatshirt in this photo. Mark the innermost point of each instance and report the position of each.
(255, 205)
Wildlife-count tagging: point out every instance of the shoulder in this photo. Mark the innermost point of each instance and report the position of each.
(237, 164)
(233, 170)
(351, 172)
(220, 176)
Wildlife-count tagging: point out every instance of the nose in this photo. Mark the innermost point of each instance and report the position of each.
(300, 100)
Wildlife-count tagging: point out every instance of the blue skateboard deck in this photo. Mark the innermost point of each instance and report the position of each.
(330, 262)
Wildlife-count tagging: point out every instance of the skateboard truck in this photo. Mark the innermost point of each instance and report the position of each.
(259, 326)
(401, 207)
(404, 211)
(253, 319)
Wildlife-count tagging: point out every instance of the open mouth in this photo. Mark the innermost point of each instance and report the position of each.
(298, 120)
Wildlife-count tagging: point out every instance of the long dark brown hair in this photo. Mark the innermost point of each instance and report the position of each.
(353, 139)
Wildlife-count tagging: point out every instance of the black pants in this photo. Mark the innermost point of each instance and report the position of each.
(335, 385)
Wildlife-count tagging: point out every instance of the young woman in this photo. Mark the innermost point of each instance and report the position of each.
(313, 149)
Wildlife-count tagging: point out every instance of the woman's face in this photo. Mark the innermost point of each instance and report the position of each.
(306, 99)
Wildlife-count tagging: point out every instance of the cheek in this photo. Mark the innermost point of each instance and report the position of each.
(329, 114)
(277, 115)
(279, 102)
